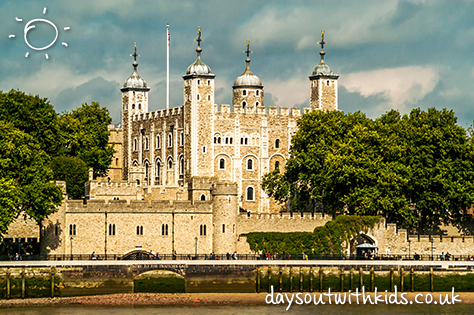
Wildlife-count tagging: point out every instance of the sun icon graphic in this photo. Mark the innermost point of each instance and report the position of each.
(28, 27)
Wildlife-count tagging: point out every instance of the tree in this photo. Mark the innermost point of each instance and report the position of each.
(35, 116)
(415, 170)
(25, 178)
(86, 135)
(73, 171)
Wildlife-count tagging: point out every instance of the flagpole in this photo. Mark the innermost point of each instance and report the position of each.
(167, 66)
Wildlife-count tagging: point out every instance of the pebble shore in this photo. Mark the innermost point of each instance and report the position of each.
(178, 299)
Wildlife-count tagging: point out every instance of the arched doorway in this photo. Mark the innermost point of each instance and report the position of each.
(363, 247)
(137, 254)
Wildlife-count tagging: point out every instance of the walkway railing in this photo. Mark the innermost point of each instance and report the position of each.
(147, 256)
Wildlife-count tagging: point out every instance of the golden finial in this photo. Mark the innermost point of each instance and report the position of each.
(135, 55)
(248, 52)
(199, 40)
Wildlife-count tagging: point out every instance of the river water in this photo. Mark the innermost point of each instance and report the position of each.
(242, 309)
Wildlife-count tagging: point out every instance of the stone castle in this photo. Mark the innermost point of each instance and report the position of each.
(189, 178)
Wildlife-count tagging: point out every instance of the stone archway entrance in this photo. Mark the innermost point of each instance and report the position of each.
(363, 244)
(138, 254)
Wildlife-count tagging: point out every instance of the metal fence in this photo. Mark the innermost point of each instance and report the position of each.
(147, 256)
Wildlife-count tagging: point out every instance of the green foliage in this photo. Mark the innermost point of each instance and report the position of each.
(86, 136)
(416, 170)
(73, 171)
(325, 240)
(33, 115)
(26, 179)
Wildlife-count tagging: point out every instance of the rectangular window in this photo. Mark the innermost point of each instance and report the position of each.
(223, 228)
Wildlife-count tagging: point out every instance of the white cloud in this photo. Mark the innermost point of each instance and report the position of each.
(399, 85)
(289, 92)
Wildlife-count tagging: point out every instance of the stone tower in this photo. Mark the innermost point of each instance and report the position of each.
(134, 101)
(199, 116)
(248, 89)
(323, 90)
(224, 219)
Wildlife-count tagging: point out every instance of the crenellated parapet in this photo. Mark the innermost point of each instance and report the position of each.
(260, 110)
(138, 206)
(175, 111)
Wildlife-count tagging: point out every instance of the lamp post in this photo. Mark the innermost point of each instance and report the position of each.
(19, 247)
(105, 238)
(431, 248)
(196, 248)
(409, 243)
(263, 247)
(71, 247)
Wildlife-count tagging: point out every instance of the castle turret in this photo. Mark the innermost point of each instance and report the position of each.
(225, 211)
(199, 111)
(248, 89)
(323, 90)
(134, 101)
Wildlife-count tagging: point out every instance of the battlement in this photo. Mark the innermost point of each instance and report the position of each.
(285, 216)
(138, 206)
(175, 111)
(260, 110)
(224, 188)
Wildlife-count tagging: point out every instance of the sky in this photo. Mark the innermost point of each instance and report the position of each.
(389, 54)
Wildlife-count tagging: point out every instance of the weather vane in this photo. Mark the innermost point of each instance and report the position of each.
(135, 55)
(248, 52)
(199, 40)
(322, 42)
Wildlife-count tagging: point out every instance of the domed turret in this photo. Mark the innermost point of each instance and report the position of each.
(248, 89)
(135, 81)
(248, 79)
(198, 67)
(324, 86)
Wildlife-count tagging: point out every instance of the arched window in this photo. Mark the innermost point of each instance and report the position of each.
(257, 103)
(181, 166)
(244, 92)
(250, 194)
(135, 146)
(181, 139)
(139, 229)
(199, 82)
(222, 164)
(250, 164)
(203, 197)
(111, 229)
(257, 92)
(277, 143)
(277, 165)
(146, 143)
(170, 140)
(170, 163)
(208, 82)
(158, 144)
(72, 229)
(164, 229)
(133, 106)
(244, 104)
(147, 169)
(158, 172)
